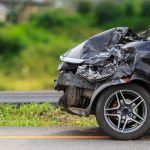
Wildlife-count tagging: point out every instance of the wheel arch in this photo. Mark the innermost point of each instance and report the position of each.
(97, 93)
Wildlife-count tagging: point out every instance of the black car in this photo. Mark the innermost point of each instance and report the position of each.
(108, 76)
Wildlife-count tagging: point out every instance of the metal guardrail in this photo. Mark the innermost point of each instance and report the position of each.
(30, 97)
(29, 2)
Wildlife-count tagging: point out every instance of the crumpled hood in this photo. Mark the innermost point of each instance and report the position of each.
(100, 42)
(115, 53)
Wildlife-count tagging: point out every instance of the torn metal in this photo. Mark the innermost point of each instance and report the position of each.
(115, 63)
(106, 55)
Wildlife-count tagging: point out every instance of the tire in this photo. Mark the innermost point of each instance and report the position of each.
(123, 111)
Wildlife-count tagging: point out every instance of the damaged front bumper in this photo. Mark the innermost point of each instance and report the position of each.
(73, 80)
(77, 92)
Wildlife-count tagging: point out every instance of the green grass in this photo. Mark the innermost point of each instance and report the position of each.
(40, 115)
(13, 83)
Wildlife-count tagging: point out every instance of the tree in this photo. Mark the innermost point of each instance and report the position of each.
(146, 8)
(107, 11)
(129, 9)
(84, 7)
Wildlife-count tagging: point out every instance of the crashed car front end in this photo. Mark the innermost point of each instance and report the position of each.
(109, 58)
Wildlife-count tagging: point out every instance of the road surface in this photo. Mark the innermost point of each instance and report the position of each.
(29, 97)
(64, 138)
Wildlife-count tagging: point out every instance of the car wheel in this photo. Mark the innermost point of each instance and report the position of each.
(123, 111)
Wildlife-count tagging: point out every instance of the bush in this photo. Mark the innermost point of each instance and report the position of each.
(11, 41)
(84, 7)
(129, 9)
(136, 23)
(9, 45)
(55, 18)
(107, 11)
(34, 46)
(12, 16)
(146, 8)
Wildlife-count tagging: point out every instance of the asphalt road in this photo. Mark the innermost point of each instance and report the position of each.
(30, 96)
(64, 138)
(58, 138)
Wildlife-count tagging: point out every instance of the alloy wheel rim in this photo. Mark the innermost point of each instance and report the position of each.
(125, 111)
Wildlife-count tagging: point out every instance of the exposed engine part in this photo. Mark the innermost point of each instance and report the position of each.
(87, 93)
(77, 97)
(73, 96)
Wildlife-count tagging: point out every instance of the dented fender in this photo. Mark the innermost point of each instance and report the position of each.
(100, 88)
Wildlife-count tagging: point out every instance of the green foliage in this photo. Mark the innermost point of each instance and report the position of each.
(55, 18)
(30, 50)
(146, 8)
(40, 115)
(107, 11)
(2, 24)
(12, 16)
(137, 6)
(129, 9)
(12, 40)
(136, 23)
(84, 7)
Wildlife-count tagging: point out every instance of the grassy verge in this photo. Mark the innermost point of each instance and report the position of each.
(29, 84)
(40, 115)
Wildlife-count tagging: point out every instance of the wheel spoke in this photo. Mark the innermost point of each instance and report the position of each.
(116, 108)
(137, 104)
(135, 121)
(134, 110)
(125, 123)
(112, 115)
(134, 100)
(138, 116)
(118, 101)
(123, 98)
(119, 119)
(119, 122)
(109, 109)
